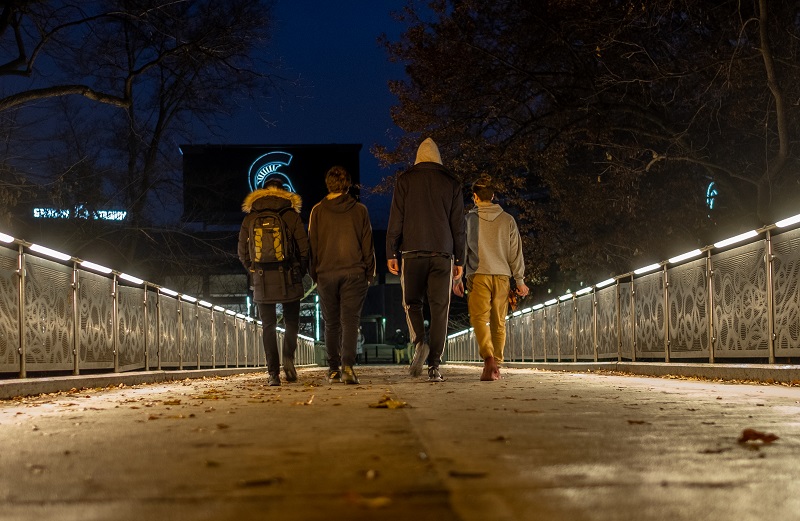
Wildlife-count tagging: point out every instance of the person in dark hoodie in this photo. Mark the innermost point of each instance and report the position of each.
(494, 256)
(425, 246)
(277, 283)
(343, 266)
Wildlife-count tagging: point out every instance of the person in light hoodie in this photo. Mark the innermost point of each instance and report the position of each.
(494, 256)
(425, 246)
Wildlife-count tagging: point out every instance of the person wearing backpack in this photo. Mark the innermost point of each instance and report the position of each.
(343, 266)
(273, 248)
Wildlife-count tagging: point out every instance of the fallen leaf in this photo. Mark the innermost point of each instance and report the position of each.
(264, 482)
(368, 502)
(638, 422)
(387, 402)
(172, 402)
(754, 435)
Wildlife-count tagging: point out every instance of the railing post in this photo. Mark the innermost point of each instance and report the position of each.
(558, 331)
(213, 339)
(574, 329)
(180, 333)
(710, 289)
(769, 257)
(21, 313)
(594, 323)
(633, 320)
(197, 330)
(115, 321)
(76, 327)
(146, 325)
(666, 316)
(544, 334)
(159, 332)
(618, 305)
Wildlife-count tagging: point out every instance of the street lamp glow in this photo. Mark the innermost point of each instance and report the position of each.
(6, 238)
(738, 238)
(95, 267)
(685, 256)
(647, 269)
(131, 278)
(788, 221)
(50, 253)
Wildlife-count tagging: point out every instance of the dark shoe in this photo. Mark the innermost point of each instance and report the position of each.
(489, 369)
(348, 375)
(334, 376)
(420, 356)
(289, 370)
(434, 375)
(274, 380)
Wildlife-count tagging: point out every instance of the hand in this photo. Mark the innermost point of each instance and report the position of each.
(394, 266)
(457, 272)
(522, 290)
(458, 288)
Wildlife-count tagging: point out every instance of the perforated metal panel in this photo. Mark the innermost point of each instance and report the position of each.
(512, 350)
(9, 311)
(539, 332)
(96, 316)
(786, 281)
(526, 326)
(585, 326)
(607, 334)
(688, 310)
(626, 321)
(168, 337)
(49, 318)
(205, 341)
(740, 302)
(566, 330)
(152, 329)
(220, 339)
(650, 316)
(551, 332)
(131, 328)
(189, 324)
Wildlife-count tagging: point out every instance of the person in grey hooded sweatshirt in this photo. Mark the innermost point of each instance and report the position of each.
(425, 246)
(494, 256)
(343, 266)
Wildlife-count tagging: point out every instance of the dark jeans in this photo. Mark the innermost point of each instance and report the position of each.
(341, 299)
(291, 322)
(431, 278)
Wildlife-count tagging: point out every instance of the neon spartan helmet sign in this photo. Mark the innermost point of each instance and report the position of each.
(268, 168)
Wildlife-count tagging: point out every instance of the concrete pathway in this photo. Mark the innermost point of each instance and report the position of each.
(536, 445)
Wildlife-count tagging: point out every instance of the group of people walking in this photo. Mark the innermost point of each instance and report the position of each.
(430, 244)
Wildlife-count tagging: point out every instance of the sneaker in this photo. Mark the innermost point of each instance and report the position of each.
(334, 376)
(434, 375)
(420, 356)
(289, 370)
(274, 380)
(348, 375)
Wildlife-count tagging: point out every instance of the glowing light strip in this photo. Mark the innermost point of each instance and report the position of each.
(551, 302)
(738, 238)
(6, 238)
(584, 291)
(95, 267)
(788, 221)
(188, 298)
(646, 269)
(169, 292)
(568, 296)
(50, 253)
(605, 283)
(131, 278)
(537, 307)
(684, 256)
(205, 304)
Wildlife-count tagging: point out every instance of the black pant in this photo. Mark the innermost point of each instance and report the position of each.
(291, 322)
(341, 299)
(432, 278)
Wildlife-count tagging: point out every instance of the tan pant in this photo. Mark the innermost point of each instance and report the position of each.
(488, 303)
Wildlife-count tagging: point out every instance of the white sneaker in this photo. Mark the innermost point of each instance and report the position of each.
(434, 375)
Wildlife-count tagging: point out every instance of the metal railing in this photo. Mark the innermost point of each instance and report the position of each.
(73, 315)
(734, 300)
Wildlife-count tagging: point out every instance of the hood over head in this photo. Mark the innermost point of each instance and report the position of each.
(271, 198)
(428, 152)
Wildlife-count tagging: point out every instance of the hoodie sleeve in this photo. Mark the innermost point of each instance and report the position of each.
(457, 227)
(515, 259)
(394, 230)
(367, 246)
(244, 249)
(312, 244)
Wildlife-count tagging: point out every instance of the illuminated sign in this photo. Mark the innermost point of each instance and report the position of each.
(267, 168)
(80, 212)
(711, 195)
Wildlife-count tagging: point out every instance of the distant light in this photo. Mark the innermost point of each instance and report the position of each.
(95, 267)
(646, 269)
(684, 256)
(79, 212)
(537, 306)
(50, 253)
(240, 315)
(131, 278)
(516, 313)
(219, 308)
(584, 291)
(230, 312)
(738, 238)
(168, 291)
(565, 297)
(249, 319)
(788, 221)
(6, 238)
(550, 302)
(526, 310)
(605, 283)
(188, 298)
(205, 304)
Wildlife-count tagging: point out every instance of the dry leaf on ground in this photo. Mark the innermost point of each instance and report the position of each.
(754, 435)
(387, 402)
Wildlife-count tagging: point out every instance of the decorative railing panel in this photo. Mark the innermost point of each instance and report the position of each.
(9, 311)
(607, 315)
(688, 310)
(786, 281)
(584, 321)
(650, 327)
(49, 315)
(131, 330)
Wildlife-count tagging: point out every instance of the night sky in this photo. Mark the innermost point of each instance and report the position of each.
(332, 47)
